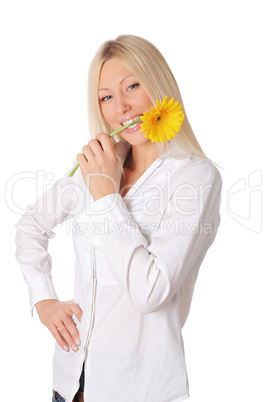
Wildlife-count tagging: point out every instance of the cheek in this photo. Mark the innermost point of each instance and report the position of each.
(108, 113)
(146, 101)
(105, 113)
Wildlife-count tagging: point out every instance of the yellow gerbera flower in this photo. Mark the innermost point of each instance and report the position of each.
(163, 122)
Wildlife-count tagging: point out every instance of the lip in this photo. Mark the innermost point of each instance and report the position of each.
(132, 130)
(130, 117)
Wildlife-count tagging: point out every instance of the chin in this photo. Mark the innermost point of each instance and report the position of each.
(135, 138)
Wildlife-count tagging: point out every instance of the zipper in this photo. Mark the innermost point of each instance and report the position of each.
(93, 281)
(93, 286)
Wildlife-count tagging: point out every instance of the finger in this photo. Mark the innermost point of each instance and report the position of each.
(75, 309)
(62, 343)
(106, 142)
(100, 144)
(74, 334)
(81, 159)
(88, 151)
(96, 147)
(64, 332)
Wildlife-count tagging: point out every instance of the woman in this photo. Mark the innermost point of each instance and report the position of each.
(145, 214)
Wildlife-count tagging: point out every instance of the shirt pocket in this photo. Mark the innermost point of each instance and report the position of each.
(84, 251)
(89, 251)
(103, 272)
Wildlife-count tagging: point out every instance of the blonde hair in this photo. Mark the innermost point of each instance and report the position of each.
(145, 61)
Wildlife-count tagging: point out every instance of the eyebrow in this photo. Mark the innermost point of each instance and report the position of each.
(107, 89)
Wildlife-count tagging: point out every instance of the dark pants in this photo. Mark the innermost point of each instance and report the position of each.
(78, 397)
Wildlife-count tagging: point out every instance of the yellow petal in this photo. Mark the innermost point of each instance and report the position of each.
(163, 129)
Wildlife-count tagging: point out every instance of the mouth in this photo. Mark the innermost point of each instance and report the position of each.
(131, 121)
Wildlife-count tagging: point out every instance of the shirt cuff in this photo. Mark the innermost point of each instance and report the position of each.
(41, 288)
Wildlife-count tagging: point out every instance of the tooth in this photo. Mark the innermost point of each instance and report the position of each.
(125, 123)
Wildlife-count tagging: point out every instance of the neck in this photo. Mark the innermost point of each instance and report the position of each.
(140, 157)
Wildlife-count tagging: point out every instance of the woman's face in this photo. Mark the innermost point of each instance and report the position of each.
(122, 98)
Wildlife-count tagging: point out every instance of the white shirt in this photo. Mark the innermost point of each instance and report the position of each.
(137, 261)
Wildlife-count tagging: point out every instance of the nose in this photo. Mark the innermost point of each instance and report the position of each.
(123, 104)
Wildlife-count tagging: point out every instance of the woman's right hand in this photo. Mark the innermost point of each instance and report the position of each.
(57, 317)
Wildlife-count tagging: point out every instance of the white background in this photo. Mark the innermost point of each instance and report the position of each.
(217, 51)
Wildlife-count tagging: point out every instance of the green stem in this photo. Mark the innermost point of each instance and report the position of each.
(111, 135)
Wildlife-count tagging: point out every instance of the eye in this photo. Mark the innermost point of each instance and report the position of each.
(106, 98)
(133, 86)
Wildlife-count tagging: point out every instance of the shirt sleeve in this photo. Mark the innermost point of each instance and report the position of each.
(151, 272)
(34, 229)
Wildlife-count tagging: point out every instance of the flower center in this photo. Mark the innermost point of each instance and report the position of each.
(158, 117)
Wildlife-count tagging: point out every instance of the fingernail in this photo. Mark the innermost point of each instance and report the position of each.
(66, 349)
(75, 348)
(78, 342)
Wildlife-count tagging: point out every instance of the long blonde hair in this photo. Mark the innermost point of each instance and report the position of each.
(145, 61)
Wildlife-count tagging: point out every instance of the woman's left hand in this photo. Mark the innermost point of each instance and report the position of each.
(99, 166)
